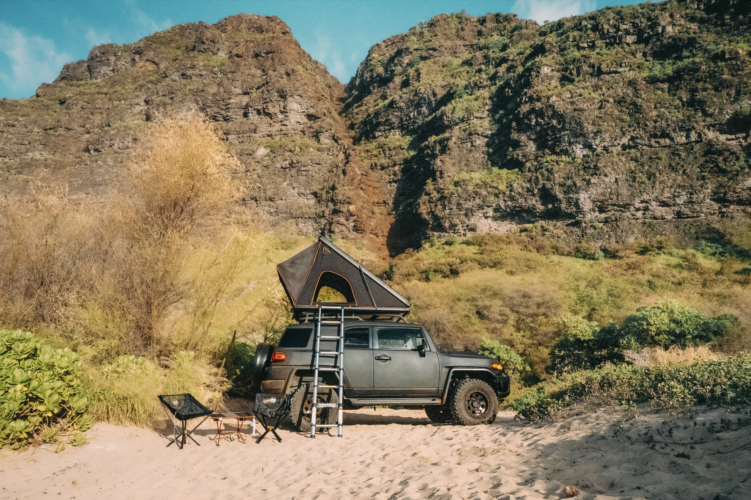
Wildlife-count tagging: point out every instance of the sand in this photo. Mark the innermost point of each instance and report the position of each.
(390, 454)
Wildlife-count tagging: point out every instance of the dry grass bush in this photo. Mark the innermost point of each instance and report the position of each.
(142, 274)
(45, 239)
(676, 355)
(126, 390)
(108, 276)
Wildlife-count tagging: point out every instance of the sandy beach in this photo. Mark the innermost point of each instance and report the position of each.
(391, 454)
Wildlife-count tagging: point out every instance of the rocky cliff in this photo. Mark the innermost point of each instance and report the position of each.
(627, 122)
(276, 107)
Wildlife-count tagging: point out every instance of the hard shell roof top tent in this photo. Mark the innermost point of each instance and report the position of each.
(323, 264)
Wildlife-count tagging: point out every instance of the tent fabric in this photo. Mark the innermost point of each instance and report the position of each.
(324, 264)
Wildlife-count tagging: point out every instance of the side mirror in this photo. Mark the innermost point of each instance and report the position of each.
(420, 343)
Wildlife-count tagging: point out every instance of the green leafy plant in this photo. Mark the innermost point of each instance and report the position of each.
(585, 345)
(673, 387)
(40, 390)
(511, 361)
(79, 439)
(671, 323)
(49, 435)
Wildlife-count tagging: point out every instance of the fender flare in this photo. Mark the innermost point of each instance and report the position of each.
(445, 395)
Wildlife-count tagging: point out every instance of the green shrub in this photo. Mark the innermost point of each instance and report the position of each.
(671, 323)
(40, 390)
(585, 345)
(512, 362)
(673, 387)
(240, 362)
(588, 251)
(125, 392)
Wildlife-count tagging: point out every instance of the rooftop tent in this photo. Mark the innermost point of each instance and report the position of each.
(325, 265)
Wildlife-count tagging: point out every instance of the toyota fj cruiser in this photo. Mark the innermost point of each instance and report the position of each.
(385, 363)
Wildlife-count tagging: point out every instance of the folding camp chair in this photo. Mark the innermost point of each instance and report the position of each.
(271, 406)
(184, 407)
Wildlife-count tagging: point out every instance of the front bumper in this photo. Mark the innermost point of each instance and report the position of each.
(502, 385)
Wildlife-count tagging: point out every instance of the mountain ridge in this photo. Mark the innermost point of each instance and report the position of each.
(624, 123)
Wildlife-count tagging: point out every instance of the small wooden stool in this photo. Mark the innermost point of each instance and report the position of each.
(240, 417)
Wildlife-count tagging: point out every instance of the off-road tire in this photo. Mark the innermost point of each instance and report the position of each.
(258, 367)
(439, 414)
(473, 402)
(300, 407)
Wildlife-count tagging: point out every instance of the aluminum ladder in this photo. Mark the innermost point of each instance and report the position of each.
(338, 367)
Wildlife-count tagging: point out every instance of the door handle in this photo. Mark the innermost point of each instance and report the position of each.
(383, 357)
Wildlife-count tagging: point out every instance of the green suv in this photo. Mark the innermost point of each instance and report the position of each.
(385, 363)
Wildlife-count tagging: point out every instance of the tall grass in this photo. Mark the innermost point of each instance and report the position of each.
(148, 284)
(111, 276)
(515, 288)
(126, 390)
(685, 356)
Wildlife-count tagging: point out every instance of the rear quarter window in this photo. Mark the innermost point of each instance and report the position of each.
(296, 338)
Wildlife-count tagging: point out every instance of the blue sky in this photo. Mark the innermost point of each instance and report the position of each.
(37, 37)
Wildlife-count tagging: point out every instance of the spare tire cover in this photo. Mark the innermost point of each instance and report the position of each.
(260, 361)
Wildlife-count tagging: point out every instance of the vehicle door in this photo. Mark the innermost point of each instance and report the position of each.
(400, 369)
(358, 360)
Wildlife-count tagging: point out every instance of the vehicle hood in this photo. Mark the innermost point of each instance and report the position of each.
(459, 354)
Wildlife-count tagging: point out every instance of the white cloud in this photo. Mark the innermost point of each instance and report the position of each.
(551, 10)
(96, 38)
(147, 24)
(330, 57)
(33, 59)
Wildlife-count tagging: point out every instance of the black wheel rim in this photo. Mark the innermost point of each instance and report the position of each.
(477, 404)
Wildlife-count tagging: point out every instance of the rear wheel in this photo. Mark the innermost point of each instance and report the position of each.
(301, 407)
(439, 414)
(473, 402)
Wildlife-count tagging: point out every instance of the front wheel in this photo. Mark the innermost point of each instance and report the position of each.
(301, 407)
(473, 402)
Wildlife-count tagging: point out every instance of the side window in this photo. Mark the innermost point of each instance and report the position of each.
(400, 339)
(296, 338)
(357, 338)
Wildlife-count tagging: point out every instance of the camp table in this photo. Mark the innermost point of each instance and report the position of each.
(239, 416)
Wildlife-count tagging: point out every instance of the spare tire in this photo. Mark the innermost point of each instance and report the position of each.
(260, 362)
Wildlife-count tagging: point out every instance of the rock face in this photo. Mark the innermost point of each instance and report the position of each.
(276, 107)
(626, 122)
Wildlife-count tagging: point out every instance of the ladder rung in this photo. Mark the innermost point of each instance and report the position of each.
(327, 405)
(329, 353)
(327, 425)
(331, 322)
(328, 369)
(329, 337)
(322, 386)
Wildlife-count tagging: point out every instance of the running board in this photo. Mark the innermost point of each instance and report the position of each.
(395, 401)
